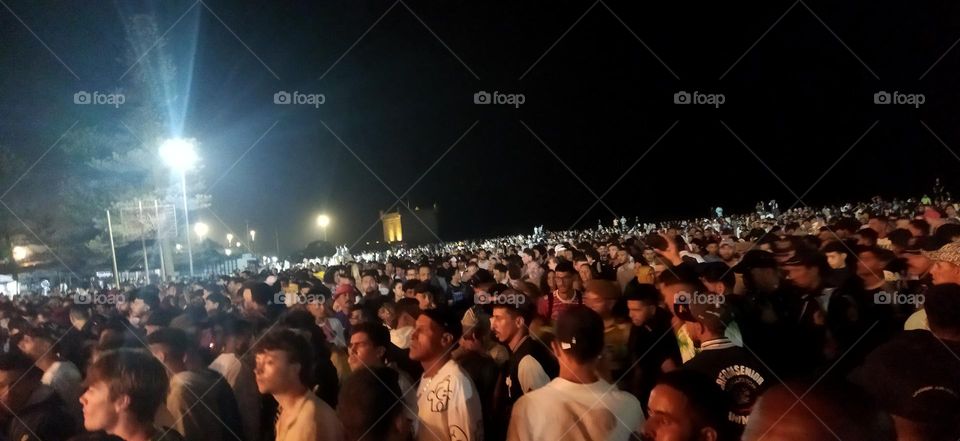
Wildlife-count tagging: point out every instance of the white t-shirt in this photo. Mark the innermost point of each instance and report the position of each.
(243, 382)
(449, 407)
(563, 410)
(401, 337)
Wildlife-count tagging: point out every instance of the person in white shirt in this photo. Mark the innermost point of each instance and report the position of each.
(448, 404)
(236, 336)
(40, 344)
(578, 405)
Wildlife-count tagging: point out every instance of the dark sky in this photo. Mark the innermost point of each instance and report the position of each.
(599, 80)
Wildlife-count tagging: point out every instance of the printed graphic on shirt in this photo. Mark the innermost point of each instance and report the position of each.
(457, 434)
(440, 396)
(742, 384)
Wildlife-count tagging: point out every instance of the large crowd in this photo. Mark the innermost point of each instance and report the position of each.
(838, 322)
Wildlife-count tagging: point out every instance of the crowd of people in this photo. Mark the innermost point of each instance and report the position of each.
(802, 324)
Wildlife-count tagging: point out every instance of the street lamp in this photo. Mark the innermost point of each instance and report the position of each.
(229, 239)
(201, 229)
(323, 221)
(253, 241)
(180, 156)
(228, 251)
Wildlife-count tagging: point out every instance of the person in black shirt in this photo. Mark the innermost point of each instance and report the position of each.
(733, 368)
(652, 345)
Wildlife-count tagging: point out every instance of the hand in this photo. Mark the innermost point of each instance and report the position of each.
(671, 253)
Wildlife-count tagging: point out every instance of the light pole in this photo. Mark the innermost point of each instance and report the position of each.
(180, 156)
(253, 241)
(19, 254)
(323, 221)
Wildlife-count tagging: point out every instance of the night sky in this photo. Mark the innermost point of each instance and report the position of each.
(598, 78)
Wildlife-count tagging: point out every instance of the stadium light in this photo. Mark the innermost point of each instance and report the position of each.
(180, 155)
(201, 229)
(323, 221)
(20, 253)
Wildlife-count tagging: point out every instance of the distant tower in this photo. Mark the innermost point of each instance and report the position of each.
(392, 227)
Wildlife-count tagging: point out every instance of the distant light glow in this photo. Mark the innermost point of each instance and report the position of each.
(179, 154)
(201, 229)
(20, 253)
(323, 221)
(228, 251)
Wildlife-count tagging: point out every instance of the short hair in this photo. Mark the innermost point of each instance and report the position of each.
(942, 304)
(836, 246)
(260, 292)
(921, 225)
(708, 404)
(647, 294)
(565, 267)
(408, 306)
(175, 340)
(136, 374)
(19, 364)
(423, 287)
(378, 334)
(296, 347)
(368, 403)
(579, 332)
(218, 298)
(80, 312)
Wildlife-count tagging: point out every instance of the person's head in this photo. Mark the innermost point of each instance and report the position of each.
(946, 263)
(871, 262)
(397, 289)
(510, 321)
(18, 379)
(642, 304)
(805, 268)
(579, 338)
(234, 334)
(215, 303)
(705, 322)
(283, 362)
(368, 346)
(685, 405)
(565, 276)
(527, 256)
(170, 346)
(407, 312)
(368, 283)
(256, 297)
(79, 316)
(123, 386)
(601, 296)
(827, 410)
(942, 303)
(717, 277)
(424, 295)
(712, 248)
(411, 273)
(425, 272)
(434, 336)
(727, 251)
(837, 254)
(388, 314)
(357, 314)
(879, 224)
(919, 228)
(370, 408)
(38, 342)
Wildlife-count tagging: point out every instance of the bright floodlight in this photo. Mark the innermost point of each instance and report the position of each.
(20, 253)
(201, 229)
(253, 235)
(229, 239)
(323, 220)
(228, 251)
(179, 154)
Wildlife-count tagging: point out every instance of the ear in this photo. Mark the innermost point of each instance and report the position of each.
(122, 403)
(708, 434)
(381, 353)
(446, 339)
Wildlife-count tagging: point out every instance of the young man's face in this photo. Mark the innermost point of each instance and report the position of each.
(670, 416)
(803, 276)
(363, 354)
(503, 325)
(33, 347)
(564, 281)
(356, 317)
(426, 341)
(597, 303)
(424, 300)
(424, 274)
(945, 272)
(640, 313)
(725, 252)
(369, 285)
(837, 260)
(99, 411)
(210, 306)
(275, 373)
(411, 274)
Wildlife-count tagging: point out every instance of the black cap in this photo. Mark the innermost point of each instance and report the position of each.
(446, 319)
(806, 257)
(481, 277)
(755, 259)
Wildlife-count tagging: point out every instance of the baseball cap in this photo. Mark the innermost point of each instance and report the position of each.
(447, 321)
(805, 257)
(949, 253)
(709, 314)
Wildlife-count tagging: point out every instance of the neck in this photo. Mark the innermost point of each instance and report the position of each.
(431, 367)
(130, 430)
(580, 374)
(79, 324)
(608, 322)
(516, 340)
(565, 295)
(45, 362)
(288, 398)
